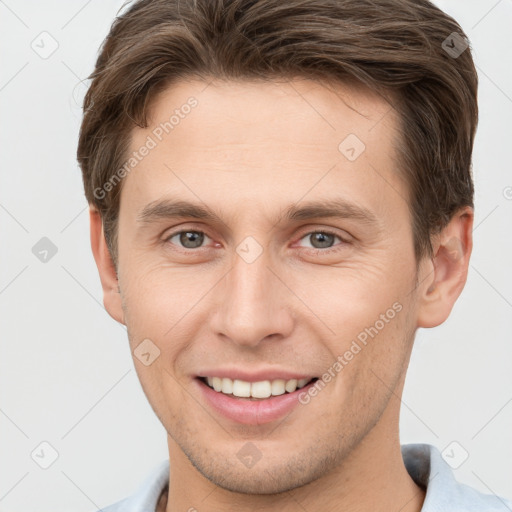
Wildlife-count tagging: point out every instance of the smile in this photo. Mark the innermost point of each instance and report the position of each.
(252, 403)
(256, 390)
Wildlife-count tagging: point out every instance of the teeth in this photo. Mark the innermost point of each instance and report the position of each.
(217, 384)
(227, 386)
(261, 389)
(278, 387)
(291, 385)
(241, 388)
(302, 382)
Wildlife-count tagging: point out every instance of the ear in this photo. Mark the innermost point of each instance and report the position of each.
(446, 273)
(106, 268)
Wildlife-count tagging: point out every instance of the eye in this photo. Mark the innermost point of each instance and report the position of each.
(188, 239)
(193, 239)
(322, 239)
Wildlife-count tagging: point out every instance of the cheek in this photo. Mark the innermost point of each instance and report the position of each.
(162, 304)
(369, 328)
(157, 302)
(347, 300)
(368, 373)
(153, 297)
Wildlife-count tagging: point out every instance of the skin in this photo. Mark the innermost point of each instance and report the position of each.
(248, 150)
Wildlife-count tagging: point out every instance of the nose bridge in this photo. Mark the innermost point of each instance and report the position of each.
(253, 305)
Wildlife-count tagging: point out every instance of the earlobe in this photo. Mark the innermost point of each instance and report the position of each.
(447, 271)
(107, 271)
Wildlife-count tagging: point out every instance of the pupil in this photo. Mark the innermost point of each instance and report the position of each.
(324, 239)
(191, 239)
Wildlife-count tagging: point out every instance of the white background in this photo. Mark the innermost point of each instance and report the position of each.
(66, 374)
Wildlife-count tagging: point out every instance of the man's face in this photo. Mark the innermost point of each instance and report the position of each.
(255, 294)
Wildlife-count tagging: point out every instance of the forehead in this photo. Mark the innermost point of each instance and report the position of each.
(330, 105)
(272, 141)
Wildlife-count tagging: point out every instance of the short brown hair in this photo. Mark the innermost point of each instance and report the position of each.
(392, 46)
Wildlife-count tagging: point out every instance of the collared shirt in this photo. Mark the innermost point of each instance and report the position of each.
(423, 462)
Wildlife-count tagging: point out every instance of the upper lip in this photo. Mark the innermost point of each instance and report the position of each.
(254, 376)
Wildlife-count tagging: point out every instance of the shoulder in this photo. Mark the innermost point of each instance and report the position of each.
(123, 505)
(428, 469)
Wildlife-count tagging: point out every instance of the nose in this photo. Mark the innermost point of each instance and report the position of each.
(254, 304)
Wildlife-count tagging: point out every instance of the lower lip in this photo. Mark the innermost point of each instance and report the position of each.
(251, 412)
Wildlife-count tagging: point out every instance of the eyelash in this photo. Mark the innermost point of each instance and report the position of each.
(323, 231)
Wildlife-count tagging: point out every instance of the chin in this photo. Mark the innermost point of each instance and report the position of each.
(256, 483)
(264, 478)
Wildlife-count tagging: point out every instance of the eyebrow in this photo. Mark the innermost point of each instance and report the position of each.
(167, 209)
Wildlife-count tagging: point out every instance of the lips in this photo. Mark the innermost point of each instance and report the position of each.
(248, 409)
